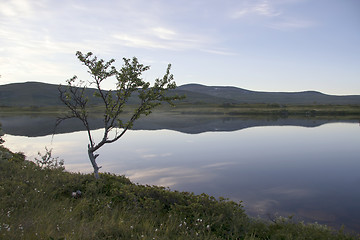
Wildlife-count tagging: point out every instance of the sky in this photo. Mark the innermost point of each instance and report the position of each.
(260, 45)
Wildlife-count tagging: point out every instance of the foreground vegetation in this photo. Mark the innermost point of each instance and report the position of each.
(39, 201)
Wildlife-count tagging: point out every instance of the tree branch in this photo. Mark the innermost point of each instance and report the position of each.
(128, 81)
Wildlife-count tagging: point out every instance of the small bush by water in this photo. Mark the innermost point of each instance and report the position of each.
(49, 203)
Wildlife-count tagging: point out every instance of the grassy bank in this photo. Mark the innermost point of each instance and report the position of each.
(275, 110)
(322, 111)
(37, 203)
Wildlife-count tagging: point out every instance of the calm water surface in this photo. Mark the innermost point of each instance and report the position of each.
(312, 173)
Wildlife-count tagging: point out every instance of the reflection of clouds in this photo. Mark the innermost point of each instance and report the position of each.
(149, 156)
(219, 165)
(148, 153)
(69, 147)
(289, 192)
(317, 215)
(166, 176)
(29, 146)
(166, 154)
(274, 199)
(262, 207)
(214, 163)
(156, 155)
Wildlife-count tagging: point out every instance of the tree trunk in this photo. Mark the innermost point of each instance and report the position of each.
(92, 158)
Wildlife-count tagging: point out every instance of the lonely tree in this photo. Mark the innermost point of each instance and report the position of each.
(129, 83)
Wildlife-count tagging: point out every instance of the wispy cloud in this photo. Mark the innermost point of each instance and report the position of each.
(163, 33)
(160, 38)
(133, 40)
(223, 52)
(287, 24)
(261, 8)
(169, 39)
(40, 30)
(15, 8)
(265, 9)
(276, 17)
(29, 54)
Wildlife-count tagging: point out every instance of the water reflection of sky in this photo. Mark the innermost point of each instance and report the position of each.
(310, 172)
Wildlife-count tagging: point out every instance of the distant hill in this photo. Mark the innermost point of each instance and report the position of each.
(42, 94)
(33, 94)
(239, 95)
(29, 94)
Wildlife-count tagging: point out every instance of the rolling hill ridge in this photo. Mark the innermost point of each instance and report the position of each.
(43, 94)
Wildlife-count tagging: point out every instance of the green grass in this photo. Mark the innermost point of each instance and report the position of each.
(273, 110)
(36, 203)
(332, 111)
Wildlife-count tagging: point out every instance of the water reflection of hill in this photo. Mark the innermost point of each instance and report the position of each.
(41, 125)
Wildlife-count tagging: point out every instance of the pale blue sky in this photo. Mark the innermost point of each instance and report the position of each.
(263, 45)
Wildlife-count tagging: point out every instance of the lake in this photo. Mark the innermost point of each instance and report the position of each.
(308, 168)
